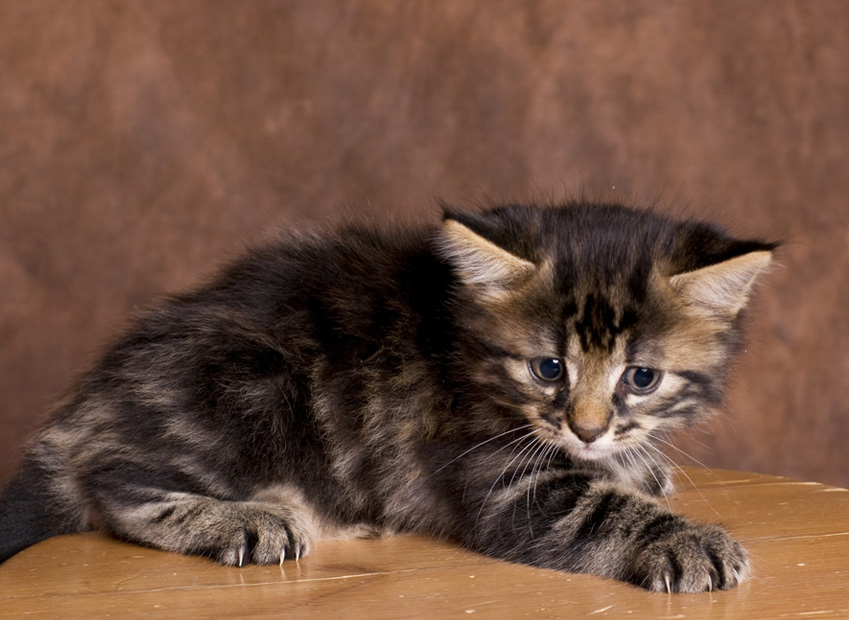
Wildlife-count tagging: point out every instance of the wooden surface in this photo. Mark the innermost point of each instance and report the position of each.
(797, 534)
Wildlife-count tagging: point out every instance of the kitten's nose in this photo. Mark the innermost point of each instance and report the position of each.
(588, 435)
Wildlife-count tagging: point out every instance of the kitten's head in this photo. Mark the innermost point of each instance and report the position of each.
(600, 325)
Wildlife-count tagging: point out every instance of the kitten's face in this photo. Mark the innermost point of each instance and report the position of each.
(600, 386)
(599, 338)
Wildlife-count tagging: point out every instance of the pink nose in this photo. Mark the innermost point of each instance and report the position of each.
(588, 435)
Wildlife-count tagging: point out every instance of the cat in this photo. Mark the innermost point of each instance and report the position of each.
(499, 380)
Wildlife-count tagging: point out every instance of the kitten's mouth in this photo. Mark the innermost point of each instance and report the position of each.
(588, 451)
(599, 449)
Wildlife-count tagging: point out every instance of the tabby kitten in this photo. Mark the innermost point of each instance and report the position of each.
(498, 381)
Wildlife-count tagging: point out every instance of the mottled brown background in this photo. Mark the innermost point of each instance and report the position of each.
(142, 143)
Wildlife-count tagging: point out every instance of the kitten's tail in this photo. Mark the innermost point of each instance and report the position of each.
(30, 512)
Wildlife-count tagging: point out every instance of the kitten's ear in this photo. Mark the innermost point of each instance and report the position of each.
(481, 263)
(723, 287)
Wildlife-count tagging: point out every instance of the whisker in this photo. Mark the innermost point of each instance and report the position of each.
(668, 459)
(504, 447)
(547, 456)
(627, 453)
(535, 459)
(540, 446)
(683, 473)
(643, 454)
(483, 443)
(679, 450)
(500, 477)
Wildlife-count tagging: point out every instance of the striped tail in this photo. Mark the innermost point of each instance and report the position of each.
(30, 512)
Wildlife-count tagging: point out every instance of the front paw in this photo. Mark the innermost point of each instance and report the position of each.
(234, 533)
(697, 558)
(258, 536)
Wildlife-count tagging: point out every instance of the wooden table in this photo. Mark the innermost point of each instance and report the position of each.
(797, 534)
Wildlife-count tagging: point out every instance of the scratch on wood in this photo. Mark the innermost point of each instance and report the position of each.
(801, 536)
(598, 611)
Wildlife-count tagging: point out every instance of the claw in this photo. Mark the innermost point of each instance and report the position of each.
(298, 553)
(668, 584)
(241, 556)
(282, 557)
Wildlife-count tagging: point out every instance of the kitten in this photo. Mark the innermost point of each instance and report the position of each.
(498, 380)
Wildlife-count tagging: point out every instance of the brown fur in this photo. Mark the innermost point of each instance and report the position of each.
(500, 380)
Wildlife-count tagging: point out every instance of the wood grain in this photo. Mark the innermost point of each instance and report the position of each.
(797, 534)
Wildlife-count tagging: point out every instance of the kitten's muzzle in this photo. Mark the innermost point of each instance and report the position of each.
(589, 420)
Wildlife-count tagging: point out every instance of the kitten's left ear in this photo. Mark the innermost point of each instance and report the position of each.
(723, 287)
(481, 264)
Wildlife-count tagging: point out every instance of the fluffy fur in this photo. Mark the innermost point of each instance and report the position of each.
(498, 380)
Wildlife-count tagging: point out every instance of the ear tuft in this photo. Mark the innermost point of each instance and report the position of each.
(723, 287)
(481, 263)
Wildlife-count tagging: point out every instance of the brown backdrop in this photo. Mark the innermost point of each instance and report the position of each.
(142, 143)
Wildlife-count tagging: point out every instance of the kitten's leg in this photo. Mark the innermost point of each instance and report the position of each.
(231, 532)
(602, 529)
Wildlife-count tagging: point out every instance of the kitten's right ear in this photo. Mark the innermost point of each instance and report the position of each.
(482, 265)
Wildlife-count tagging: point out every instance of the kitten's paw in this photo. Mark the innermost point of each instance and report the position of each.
(696, 559)
(254, 535)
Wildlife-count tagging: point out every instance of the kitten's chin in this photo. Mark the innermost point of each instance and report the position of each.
(595, 451)
(602, 449)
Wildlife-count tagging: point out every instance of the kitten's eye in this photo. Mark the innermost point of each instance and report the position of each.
(641, 380)
(547, 368)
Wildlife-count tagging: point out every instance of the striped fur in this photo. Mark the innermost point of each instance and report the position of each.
(500, 380)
